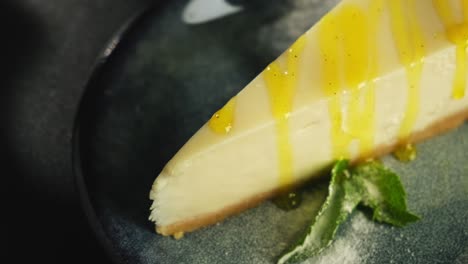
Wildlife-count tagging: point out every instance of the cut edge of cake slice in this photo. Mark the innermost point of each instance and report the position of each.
(177, 229)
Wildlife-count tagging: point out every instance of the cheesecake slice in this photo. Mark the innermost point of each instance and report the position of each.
(369, 76)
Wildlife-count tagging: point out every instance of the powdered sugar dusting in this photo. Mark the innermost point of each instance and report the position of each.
(352, 246)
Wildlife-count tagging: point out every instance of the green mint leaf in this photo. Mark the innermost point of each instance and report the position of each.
(370, 184)
(382, 190)
(343, 197)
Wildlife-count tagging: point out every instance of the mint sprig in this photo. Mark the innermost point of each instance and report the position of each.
(369, 184)
(382, 190)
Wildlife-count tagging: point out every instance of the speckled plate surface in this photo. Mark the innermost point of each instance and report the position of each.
(162, 82)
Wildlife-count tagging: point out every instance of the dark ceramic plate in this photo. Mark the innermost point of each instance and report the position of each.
(161, 79)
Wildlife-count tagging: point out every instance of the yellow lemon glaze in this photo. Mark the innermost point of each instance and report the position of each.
(457, 33)
(221, 122)
(348, 46)
(281, 84)
(405, 153)
(410, 44)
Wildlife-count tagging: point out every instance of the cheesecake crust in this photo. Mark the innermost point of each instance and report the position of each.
(438, 127)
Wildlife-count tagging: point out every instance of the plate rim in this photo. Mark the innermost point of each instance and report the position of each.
(80, 185)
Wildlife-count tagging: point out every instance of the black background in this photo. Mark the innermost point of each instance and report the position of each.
(48, 50)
